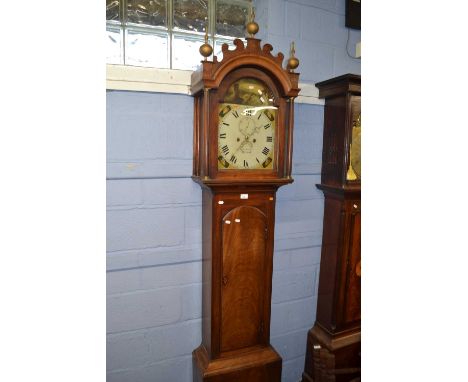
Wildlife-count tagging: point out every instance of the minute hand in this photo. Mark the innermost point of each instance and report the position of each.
(246, 137)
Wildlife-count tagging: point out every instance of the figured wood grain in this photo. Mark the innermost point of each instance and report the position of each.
(242, 275)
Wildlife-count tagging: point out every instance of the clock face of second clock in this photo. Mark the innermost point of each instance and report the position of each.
(246, 127)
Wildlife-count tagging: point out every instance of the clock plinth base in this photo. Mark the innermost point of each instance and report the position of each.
(332, 358)
(259, 365)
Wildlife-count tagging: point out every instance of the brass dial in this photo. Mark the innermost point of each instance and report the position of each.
(354, 168)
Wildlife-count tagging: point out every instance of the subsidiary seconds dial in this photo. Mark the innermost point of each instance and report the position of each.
(246, 137)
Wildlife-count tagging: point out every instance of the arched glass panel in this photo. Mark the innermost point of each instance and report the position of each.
(249, 91)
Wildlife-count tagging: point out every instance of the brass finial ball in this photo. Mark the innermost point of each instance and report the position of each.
(206, 50)
(252, 28)
(293, 63)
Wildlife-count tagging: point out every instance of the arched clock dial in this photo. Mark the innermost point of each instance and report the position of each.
(246, 137)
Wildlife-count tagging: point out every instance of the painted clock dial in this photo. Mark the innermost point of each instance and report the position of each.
(247, 126)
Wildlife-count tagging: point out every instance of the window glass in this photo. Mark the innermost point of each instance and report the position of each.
(168, 33)
(190, 15)
(148, 12)
(185, 54)
(146, 49)
(114, 45)
(112, 10)
(231, 18)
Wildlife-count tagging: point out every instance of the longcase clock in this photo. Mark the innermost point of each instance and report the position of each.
(334, 343)
(243, 132)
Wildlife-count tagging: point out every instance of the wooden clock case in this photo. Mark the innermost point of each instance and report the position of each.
(238, 209)
(334, 343)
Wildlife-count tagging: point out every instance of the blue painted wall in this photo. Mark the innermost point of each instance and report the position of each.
(154, 212)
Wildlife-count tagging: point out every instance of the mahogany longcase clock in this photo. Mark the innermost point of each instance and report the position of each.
(243, 131)
(334, 343)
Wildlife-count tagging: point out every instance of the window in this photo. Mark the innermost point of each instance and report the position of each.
(168, 33)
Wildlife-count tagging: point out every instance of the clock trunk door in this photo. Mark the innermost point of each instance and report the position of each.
(244, 255)
(352, 306)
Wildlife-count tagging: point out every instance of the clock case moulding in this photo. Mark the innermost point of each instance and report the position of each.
(236, 297)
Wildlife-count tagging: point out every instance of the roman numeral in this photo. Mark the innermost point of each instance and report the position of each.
(224, 111)
(257, 159)
(222, 135)
(269, 139)
(267, 126)
(269, 115)
(259, 115)
(223, 161)
(265, 150)
(235, 114)
(233, 159)
(267, 162)
(225, 149)
(246, 164)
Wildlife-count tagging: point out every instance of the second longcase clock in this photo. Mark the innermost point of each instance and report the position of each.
(334, 342)
(243, 133)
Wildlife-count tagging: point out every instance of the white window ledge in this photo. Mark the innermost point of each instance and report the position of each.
(135, 78)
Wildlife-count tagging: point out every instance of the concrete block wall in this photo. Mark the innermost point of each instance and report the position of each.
(154, 240)
(154, 212)
(318, 29)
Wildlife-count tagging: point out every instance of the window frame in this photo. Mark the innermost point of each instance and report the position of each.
(123, 26)
(121, 77)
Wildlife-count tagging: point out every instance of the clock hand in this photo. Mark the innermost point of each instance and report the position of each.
(243, 127)
(246, 138)
(242, 143)
(255, 130)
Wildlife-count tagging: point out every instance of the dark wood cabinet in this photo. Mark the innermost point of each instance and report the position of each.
(237, 271)
(243, 131)
(333, 344)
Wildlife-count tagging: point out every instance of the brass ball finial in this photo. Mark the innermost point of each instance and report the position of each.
(293, 62)
(206, 49)
(252, 27)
